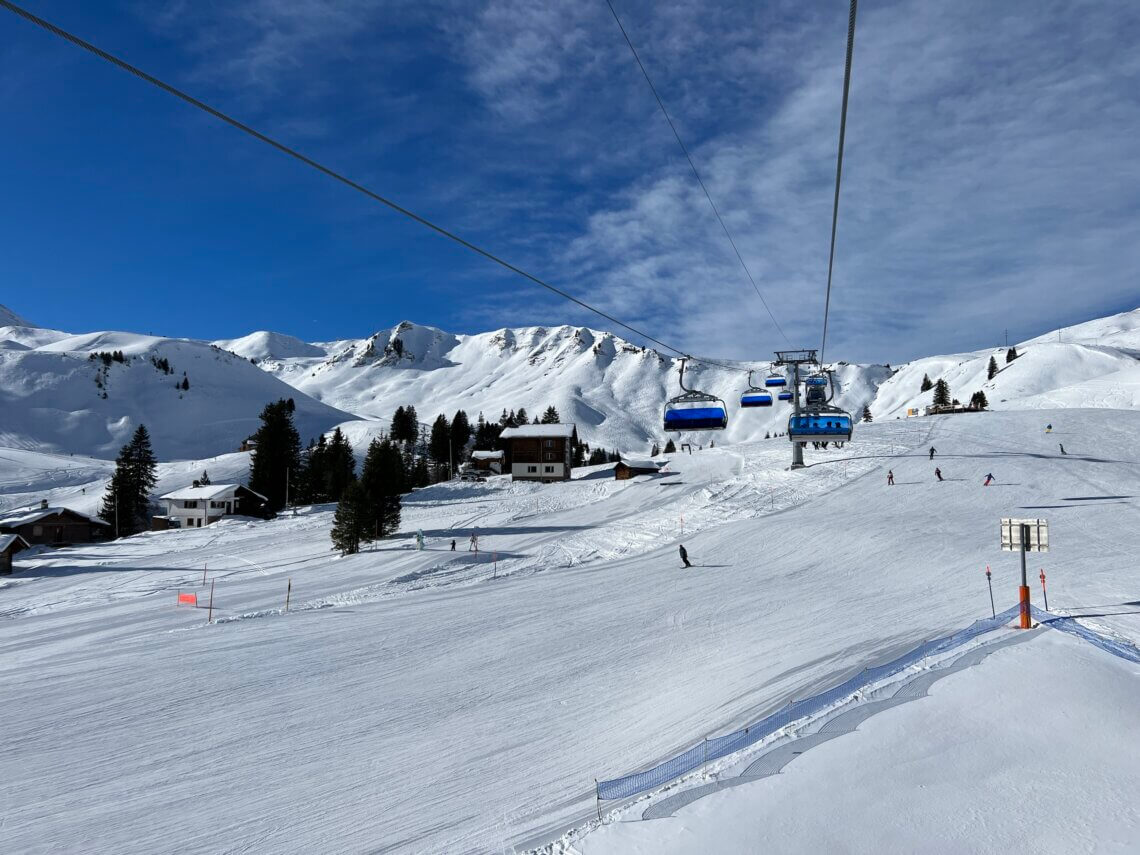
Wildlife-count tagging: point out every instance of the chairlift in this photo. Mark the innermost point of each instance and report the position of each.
(754, 396)
(820, 421)
(785, 395)
(775, 380)
(694, 410)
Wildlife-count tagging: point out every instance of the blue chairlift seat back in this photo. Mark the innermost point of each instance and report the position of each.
(754, 398)
(695, 415)
(775, 382)
(821, 426)
(785, 396)
(816, 380)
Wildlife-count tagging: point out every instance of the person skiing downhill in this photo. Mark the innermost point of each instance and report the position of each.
(937, 473)
(890, 478)
(1062, 447)
(453, 544)
(1048, 428)
(989, 477)
(932, 451)
(684, 555)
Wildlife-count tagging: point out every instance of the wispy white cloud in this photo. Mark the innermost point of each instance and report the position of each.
(989, 177)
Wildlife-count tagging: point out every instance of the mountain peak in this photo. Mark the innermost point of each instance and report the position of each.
(8, 318)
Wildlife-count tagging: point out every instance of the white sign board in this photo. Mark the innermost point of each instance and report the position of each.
(1037, 540)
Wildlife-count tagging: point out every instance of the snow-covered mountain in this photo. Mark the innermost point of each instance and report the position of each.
(613, 390)
(1094, 364)
(76, 394)
(52, 390)
(8, 318)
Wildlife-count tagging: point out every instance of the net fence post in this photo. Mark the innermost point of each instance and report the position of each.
(598, 799)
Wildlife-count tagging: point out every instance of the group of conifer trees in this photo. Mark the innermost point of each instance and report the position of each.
(126, 503)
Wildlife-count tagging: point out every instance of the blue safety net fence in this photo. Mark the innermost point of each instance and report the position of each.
(722, 746)
(1116, 647)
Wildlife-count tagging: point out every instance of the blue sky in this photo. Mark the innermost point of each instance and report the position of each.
(990, 177)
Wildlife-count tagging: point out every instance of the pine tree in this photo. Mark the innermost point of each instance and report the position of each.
(460, 435)
(926, 384)
(205, 479)
(126, 504)
(185, 384)
(339, 466)
(767, 435)
(505, 420)
(521, 417)
(867, 413)
(350, 520)
(550, 417)
(655, 450)
(421, 475)
(440, 444)
(598, 455)
(535, 421)
(383, 480)
(312, 477)
(404, 424)
(978, 401)
(1011, 355)
(670, 447)
(942, 394)
(277, 454)
(992, 369)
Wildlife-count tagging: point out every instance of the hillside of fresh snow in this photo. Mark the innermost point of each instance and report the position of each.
(1095, 364)
(613, 390)
(54, 397)
(453, 702)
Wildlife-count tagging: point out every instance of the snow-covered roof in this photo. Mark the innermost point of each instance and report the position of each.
(538, 432)
(486, 455)
(643, 463)
(6, 540)
(210, 491)
(28, 517)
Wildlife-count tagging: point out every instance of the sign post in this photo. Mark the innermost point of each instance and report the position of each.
(1024, 536)
(990, 583)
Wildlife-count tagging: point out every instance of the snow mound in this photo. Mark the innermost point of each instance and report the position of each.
(72, 395)
(263, 345)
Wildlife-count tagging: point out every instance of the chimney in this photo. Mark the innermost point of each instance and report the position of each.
(197, 483)
(43, 504)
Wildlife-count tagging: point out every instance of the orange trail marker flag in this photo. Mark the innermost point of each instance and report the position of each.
(188, 599)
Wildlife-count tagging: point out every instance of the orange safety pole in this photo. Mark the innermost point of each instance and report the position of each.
(1023, 589)
(1044, 593)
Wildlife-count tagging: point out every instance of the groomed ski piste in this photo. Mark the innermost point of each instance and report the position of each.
(439, 701)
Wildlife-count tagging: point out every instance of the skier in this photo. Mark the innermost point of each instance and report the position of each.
(473, 544)
(684, 555)
(932, 450)
(1048, 428)
(453, 544)
(1062, 447)
(938, 473)
(419, 540)
(890, 478)
(989, 478)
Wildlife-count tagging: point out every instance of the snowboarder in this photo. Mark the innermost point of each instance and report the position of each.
(989, 478)
(684, 555)
(420, 540)
(890, 478)
(932, 451)
(937, 473)
(453, 544)
(1062, 447)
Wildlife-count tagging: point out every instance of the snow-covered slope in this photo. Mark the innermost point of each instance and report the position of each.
(613, 390)
(1096, 364)
(445, 702)
(58, 394)
(263, 345)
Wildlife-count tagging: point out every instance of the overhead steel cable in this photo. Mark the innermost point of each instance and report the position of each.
(696, 173)
(348, 182)
(838, 170)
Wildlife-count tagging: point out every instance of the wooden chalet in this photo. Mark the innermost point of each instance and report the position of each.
(54, 526)
(10, 544)
(539, 452)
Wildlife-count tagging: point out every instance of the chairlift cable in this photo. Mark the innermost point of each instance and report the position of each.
(696, 173)
(348, 182)
(838, 170)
